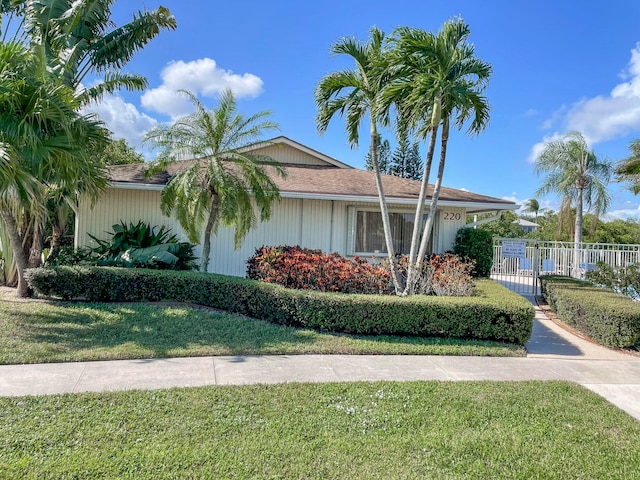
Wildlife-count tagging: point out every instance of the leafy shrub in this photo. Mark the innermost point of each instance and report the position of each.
(493, 313)
(440, 274)
(477, 246)
(605, 316)
(624, 280)
(143, 246)
(306, 269)
(67, 255)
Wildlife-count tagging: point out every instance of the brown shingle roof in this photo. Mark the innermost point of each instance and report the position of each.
(330, 181)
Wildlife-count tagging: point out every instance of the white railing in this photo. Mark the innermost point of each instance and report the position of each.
(557, 258)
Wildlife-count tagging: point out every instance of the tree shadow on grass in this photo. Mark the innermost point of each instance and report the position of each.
(98, 331)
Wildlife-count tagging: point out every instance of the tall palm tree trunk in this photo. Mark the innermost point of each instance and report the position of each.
(16, 247)
(417, 223)
(428, 228)
(383, 210)
(206, 243)
(577, 239)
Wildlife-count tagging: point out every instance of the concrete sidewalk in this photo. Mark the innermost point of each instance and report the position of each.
(616, 380)
(555, 354)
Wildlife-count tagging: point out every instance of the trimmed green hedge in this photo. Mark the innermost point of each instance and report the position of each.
(607, 317)
(493, 313)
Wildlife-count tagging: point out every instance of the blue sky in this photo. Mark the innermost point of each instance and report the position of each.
(558, 66)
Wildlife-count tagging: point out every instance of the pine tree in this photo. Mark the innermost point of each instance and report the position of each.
(384, 152)
(406, 161)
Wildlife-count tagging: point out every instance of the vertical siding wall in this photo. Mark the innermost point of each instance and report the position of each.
(314, 224)
(448, 222)
(117, 205)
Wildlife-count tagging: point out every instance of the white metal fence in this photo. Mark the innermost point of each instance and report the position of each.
(517, 263)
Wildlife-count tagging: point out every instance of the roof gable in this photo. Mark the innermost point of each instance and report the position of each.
(289, 152)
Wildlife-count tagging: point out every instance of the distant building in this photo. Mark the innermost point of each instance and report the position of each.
(526, 225)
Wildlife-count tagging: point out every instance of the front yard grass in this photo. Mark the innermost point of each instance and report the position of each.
(38, 331)
(473, 430)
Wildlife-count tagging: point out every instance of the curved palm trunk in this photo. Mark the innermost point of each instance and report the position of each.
(436, 192)
(417, 223)
(16, 247)
(373, 148)
(206, 243)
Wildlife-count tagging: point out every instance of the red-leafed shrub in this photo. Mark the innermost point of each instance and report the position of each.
(443, 274)
(306, 269)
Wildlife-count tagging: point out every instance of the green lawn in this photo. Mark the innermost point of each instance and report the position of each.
(38, 331)
(472, 430)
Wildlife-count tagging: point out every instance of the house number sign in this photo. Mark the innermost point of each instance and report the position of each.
(452, 216)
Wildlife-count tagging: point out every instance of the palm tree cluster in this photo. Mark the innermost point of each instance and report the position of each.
(430, 81)
(47, 49)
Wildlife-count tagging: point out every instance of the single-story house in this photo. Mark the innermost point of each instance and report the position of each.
(325, 204)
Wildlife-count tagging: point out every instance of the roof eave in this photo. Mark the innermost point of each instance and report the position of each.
(476, 206)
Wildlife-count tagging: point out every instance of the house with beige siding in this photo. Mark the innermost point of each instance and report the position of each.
(325, 204)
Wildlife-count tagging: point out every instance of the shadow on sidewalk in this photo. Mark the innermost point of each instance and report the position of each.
(544, 341)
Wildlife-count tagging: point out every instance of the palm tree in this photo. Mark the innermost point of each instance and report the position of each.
(628, 170)
(440, 81)
(532, 206)
(225, 180)
(354, 94)
(76, 39)
(41, 143)
(575, 173)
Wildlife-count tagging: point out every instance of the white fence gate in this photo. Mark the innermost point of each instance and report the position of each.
(517, 262)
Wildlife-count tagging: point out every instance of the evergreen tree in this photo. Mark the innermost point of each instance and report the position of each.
(384, 152)
(406, 162)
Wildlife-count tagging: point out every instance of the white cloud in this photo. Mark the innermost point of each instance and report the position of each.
(536, 150)
(201, 77)
(623, 214)
(123, 119)
(605, 117)
(554, 118)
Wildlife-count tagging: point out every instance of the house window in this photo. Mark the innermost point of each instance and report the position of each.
(369, 232)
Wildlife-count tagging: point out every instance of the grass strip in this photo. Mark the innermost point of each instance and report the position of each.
(471, 430)
(37, 332)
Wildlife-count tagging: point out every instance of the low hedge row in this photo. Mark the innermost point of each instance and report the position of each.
(607, 317)
(493, 313)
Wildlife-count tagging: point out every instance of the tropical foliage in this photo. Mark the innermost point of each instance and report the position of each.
(42, 136)
(226, 180)
(628, 170)
(433, 80)
(577, 175)
(144, 246)
(48, 49)
(357, 93)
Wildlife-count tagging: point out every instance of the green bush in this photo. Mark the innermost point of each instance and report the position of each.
(493, 313)
(475, 245)
(144, 246)
(608, 317)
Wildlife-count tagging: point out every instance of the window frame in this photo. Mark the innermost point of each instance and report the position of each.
(352, 228)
